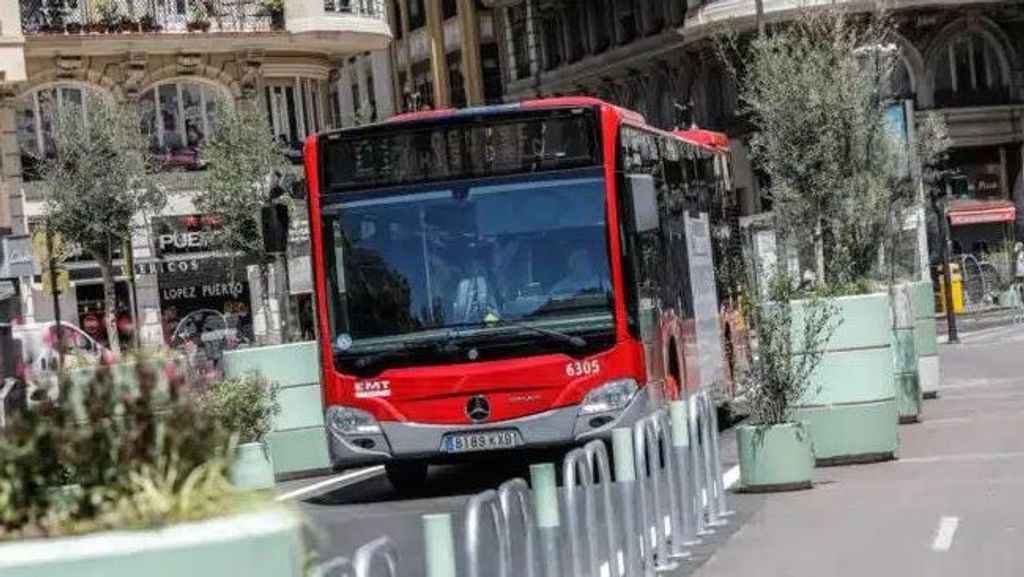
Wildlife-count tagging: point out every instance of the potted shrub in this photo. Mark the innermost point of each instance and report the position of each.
(107, 15)
(198, 17)
(246, 406)
(274, 9)
(131, 481)
(775, 450)
(149, 24)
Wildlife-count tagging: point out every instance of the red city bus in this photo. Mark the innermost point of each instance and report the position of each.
(506, 278)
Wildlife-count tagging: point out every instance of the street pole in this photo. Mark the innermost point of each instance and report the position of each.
(944, 254)
(759, 12)
(129, 273)
(55, 292)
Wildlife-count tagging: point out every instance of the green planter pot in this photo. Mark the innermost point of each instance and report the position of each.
(926, 339)
(259, 544)
(908, 389)
(252, 468)
(850, 406)
(298, 440)
(775, 457)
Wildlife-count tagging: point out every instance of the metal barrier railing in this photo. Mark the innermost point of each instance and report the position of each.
(666, 493)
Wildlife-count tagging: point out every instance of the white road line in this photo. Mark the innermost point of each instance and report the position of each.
(345, 478)
(959, 458)
(731, 476)
(945, 421)
(944, 535)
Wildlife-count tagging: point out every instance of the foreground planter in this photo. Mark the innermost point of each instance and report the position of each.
(260, 544)
(850, 406)
(252, 468)
(904, 355)
(775, 457)
(926, 339)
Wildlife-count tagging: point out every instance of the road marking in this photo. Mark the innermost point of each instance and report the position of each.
(960, 458)
(731, 476)
(343, 479)
(945, 420)
(944, 536)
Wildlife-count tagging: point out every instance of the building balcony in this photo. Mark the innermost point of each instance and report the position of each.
(89, 27)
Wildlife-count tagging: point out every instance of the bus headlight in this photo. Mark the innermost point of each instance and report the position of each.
(349, 421)
(611, 396)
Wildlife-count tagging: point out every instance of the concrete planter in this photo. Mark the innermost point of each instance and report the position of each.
(298, 441)
(908, 389)
(252, 468)
(260, 544)
(926, 339)
(850, 406)
(775, 457)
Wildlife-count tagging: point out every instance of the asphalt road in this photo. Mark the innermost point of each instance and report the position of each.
(949, 506)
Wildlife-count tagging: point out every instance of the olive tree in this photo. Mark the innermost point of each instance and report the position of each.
(242, 159)
(812, 92)
(96, 184)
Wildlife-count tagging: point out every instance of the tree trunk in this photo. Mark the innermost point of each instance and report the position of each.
(110, 306)
(819, 255)
(268, 317)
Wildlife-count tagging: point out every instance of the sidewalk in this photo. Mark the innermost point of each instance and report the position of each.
(951, 505)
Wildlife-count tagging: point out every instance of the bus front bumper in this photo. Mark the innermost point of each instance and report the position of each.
(418, 441)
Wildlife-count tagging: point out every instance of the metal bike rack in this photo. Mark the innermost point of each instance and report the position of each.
(681, 449)
(577, 480)
(648, 436)
(698, 472)
(378, 550)
(549, 530)
(718, 508)
(479, 505)
(515, 498)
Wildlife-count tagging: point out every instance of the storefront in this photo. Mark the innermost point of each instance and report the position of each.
(204, 296)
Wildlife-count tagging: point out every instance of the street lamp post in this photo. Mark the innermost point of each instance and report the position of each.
(938, 203)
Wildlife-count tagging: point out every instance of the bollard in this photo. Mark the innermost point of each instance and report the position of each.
(681, 448)
(905, 361)
(379, 549)
(440, 545)
(697, 468)
(515, 496)
(625, 483)
(475, 510)
(545, 502)
(720, 506)
(650, 502)
(597, 460)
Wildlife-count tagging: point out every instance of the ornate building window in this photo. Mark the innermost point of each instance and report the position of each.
(970, 71)
(177, 116)
(37, 112)
(295, 109)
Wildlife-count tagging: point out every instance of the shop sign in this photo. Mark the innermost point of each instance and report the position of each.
(225, 289)
(183, 234)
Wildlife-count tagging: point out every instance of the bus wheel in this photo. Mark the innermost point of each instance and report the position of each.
(407, 478)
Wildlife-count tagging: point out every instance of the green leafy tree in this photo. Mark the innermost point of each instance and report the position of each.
(812, 91)
(242, 158)
(97, 183)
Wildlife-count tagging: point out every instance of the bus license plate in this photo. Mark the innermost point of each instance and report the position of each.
(488, 441)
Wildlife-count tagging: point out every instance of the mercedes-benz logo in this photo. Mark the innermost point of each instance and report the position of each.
(478, 409)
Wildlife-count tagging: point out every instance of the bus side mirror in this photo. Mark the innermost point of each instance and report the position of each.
(645, 202)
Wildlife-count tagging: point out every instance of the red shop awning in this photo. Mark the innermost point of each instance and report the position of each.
(963, 212)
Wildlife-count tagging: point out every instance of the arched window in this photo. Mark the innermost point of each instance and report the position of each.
(899, 84)
(37, 112)
(177, 116)
(969, 71)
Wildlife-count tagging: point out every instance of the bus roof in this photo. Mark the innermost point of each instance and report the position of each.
(536, 104)
(705, 138)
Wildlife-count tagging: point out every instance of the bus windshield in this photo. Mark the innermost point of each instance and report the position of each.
(527, 249)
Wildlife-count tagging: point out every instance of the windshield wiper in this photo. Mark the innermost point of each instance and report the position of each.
(386, 354)
(574, 340)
